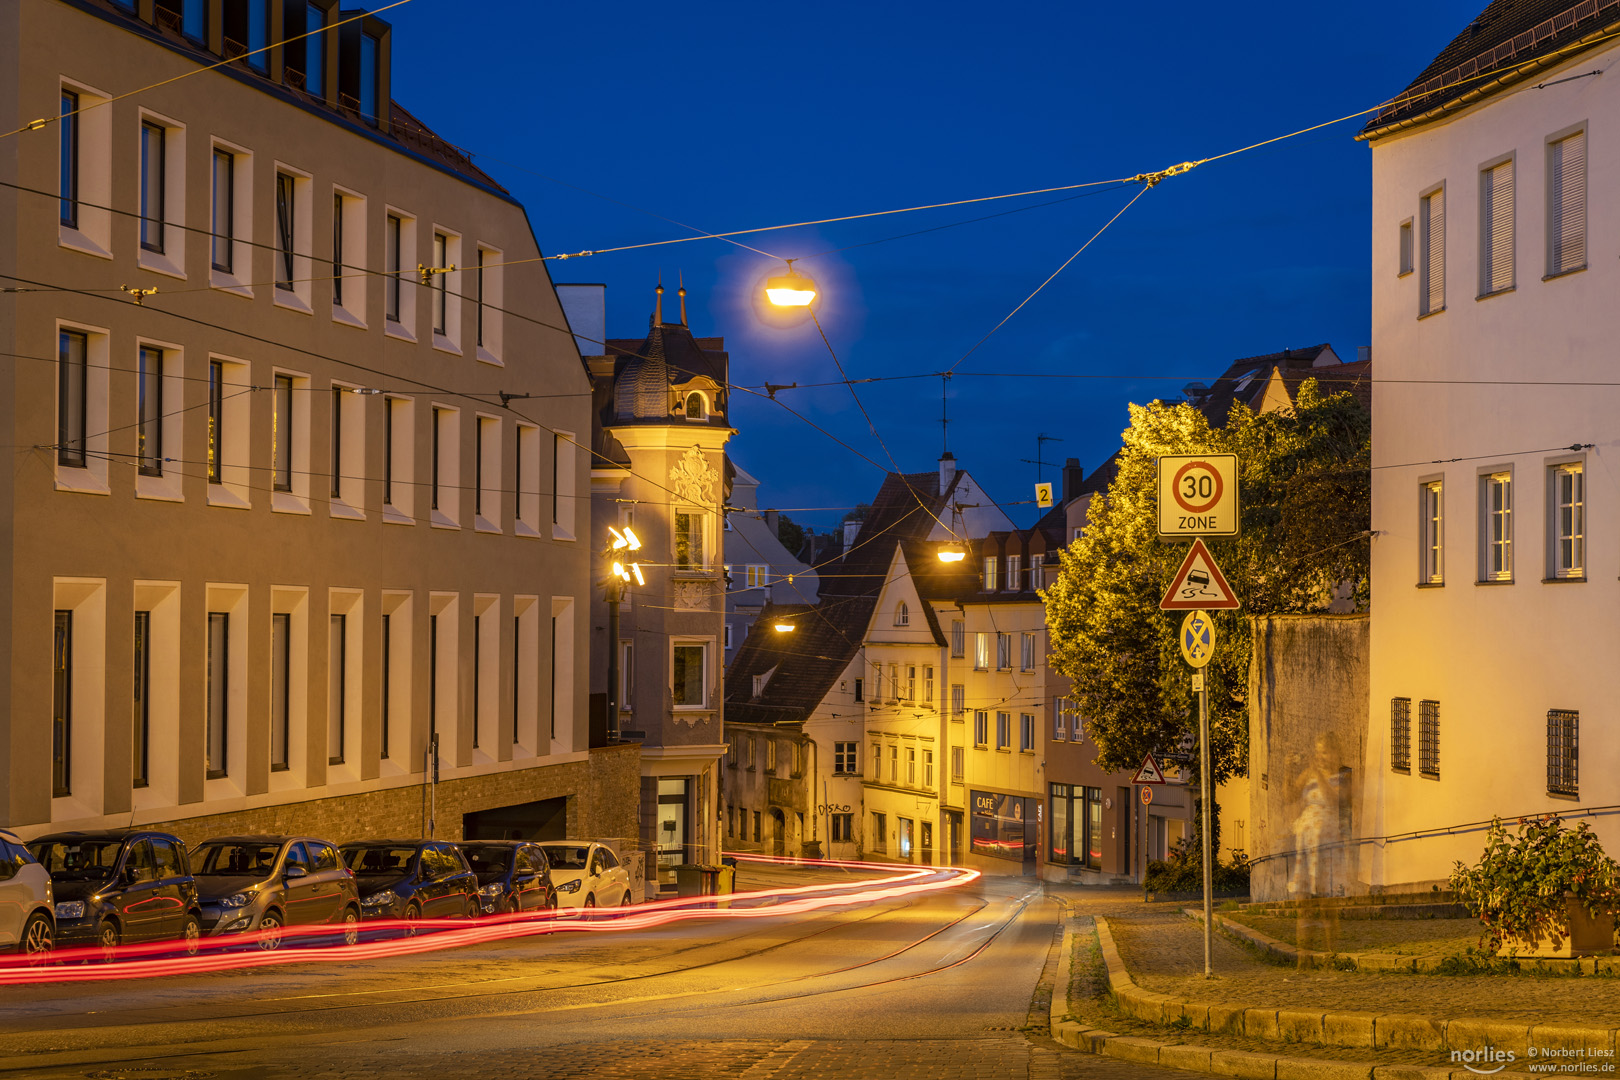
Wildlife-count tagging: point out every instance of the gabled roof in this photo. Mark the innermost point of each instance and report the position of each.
(1510, 41)
(1246, 380)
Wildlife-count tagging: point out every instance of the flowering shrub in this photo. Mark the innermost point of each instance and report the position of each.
(1518, 888)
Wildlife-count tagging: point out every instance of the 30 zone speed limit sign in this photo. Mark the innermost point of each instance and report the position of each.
(1198, 495)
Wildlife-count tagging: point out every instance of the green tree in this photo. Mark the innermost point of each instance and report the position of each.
(1306, 508)
(790, 533)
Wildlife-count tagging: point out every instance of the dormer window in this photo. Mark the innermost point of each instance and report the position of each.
(696, 407)
(902, 615)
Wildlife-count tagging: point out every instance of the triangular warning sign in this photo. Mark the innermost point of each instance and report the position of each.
(1199, 584)
(1149, 773)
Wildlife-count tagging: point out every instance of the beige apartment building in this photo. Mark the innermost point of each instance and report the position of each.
(310, 503)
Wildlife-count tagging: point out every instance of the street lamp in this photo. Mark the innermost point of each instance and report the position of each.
(792, 289)
(953, 552)
(619, 576)
(784, 627)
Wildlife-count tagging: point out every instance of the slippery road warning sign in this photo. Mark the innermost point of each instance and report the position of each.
(1199, 584)
(1149, 773)
(1198, 495)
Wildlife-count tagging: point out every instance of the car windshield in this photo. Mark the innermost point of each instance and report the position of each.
(395, 861)
(489, 860)
(568, 856)
(78, 860)
(235, 860)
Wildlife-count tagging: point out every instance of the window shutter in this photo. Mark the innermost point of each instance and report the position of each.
(1567, 226)
(1433, 241)
(1496, 246)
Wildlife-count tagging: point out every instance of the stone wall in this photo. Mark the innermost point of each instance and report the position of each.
(1308, 685)
(601, 794)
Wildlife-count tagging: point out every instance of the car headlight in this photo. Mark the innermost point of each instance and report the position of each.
(493, 889)
(385, 898)
(569, 886)
(70, 909)
(241, 899)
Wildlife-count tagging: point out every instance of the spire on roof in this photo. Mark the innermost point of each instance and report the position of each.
(682, 293)
(658, 303)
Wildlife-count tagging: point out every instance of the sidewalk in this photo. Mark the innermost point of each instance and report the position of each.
(1137, 992)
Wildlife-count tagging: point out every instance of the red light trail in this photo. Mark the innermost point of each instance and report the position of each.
(155, 959)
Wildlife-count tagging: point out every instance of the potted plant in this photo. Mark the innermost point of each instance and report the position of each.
(1546, 892)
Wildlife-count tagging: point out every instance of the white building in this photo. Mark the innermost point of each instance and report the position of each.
(760, 568)
(1498, 524)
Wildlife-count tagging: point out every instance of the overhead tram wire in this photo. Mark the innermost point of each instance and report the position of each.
(46, 121)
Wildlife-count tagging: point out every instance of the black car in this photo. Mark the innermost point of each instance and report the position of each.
(261, 884)
(411, 879)
(513, 875)
(120, 885)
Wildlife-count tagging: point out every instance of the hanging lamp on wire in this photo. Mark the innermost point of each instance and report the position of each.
(792, 289)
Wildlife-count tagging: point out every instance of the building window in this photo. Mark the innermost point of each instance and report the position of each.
(216, 421)
(859, 688)
(758, 576)
(397, 450)
(1060, 721)
(68, 163)
(370, 105)
(1432, 253)
(1496, 229)
(990, 564)
(958, 764)
(286, 231)
(218, 691)
(1563, 752)
(487, 470)
(1569, 521)
(62, 707)
(437, 282)
(445, 465)
(689, 553)
(981, 728)
(1003, 731)
(1498, 527)
(770, 756)
(337, 249)
(894, 764)
(843, 826)
(1037, 571)
(281, 688)
(1026, 652)
(1429, 739)
(928, 684)
(140, 746)
(958, 639)
(337, 660)
(563, 492)
(282, 435)
(153, 163)
(894, 682)
(687, 670)
(306, 59)
(844, 759)
(911, 682)
(72, 397)
(1015, 573)
(928, 769)
(981, 651)
(877, 761)
(958, 703)
(1566, 204)
(902, 614)
(392, 267)
(695, 407)
(880, 832)
(247, 32)
(222, 243)
(1405, 249)
(149, 411)
(1434, 532)
(1003, 652)
(1026, 732)
(1400, 734)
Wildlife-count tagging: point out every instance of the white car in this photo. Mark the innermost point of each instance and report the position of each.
(27, 911)
(585, 874)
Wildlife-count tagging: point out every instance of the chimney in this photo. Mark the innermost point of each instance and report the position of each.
(1072, 475)
(770, 521)
(852, 529)
(1363, 353)
(947, 471)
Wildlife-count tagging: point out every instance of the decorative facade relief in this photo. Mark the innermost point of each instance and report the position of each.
(693, 478)
(692, 595)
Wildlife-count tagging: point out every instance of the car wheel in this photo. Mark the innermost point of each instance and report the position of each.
(626, 901)
(472, 908)
(108, 936)
(511, 906)
(37, 937)
(270, 931)
(191, 934)
(551, 902)
(351, 926)
(413, 915)
(590, 901)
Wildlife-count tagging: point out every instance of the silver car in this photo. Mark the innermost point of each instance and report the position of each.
(586, 874)
(27, 907)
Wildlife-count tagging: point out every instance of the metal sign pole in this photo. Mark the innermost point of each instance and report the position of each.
(1203, 783)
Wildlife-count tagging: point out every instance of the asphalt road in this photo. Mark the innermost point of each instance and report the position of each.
(932, 986)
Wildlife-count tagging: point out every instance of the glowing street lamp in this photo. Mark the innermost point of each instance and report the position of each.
(953, 552)
(792, 289)
(784, 628)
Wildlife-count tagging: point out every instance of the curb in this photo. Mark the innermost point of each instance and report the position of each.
(1349, 1029)
(1313, 958)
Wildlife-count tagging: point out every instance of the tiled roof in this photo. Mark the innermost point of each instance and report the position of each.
(1508, 41)
(1246, 380)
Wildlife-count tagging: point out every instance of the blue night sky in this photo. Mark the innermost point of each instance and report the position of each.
(729, 116)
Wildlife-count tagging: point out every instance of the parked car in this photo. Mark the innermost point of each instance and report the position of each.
(264, 883)
(27, 904)
(411, 879)
(513, 875)
(587, 874)
(120, 885)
